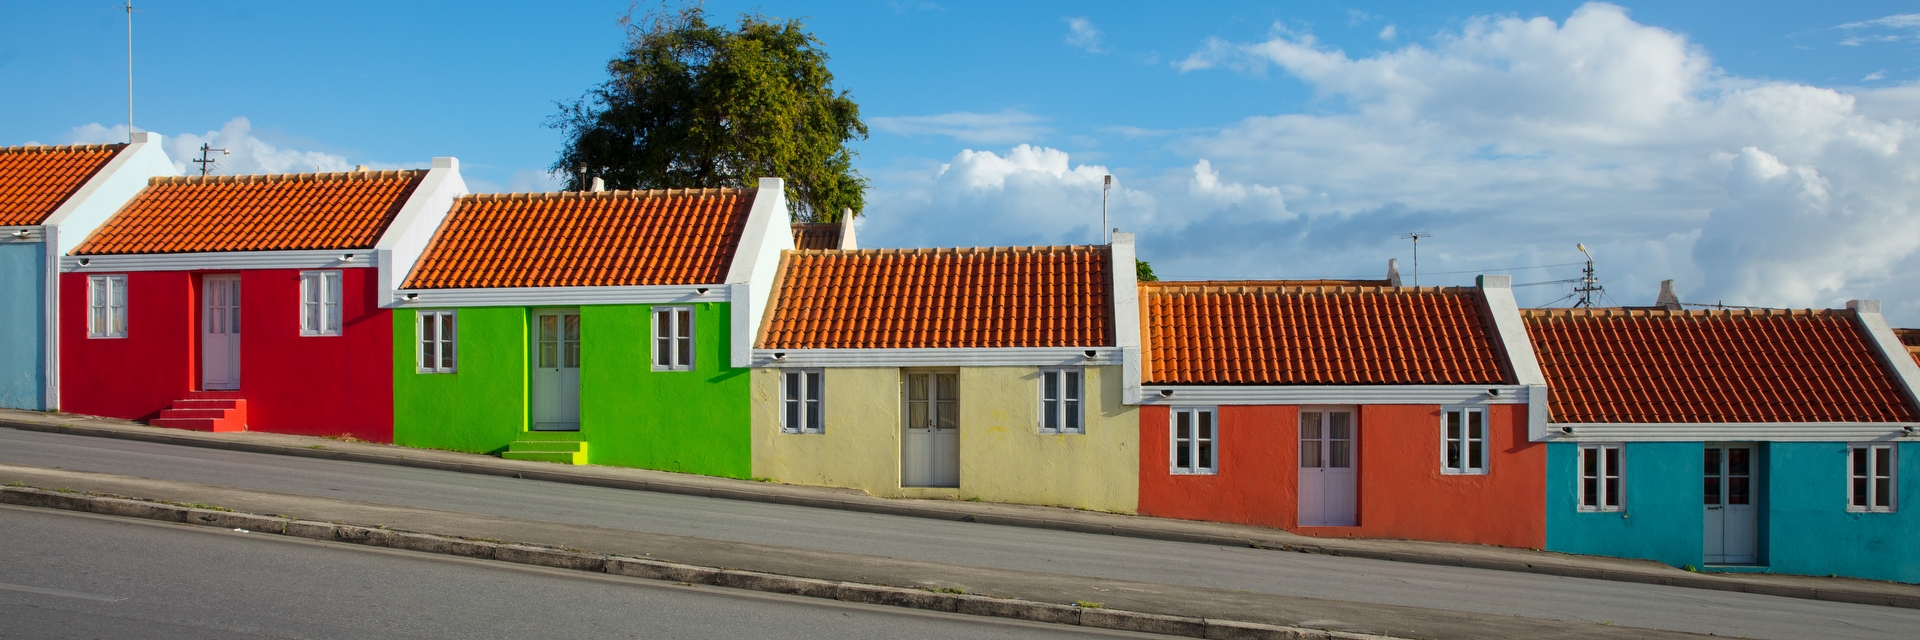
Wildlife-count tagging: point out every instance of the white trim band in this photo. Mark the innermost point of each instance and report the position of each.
(965, 357)
(561, 296)
(1731, 432)
(221, 261)
(1335, 394)
(26, 233)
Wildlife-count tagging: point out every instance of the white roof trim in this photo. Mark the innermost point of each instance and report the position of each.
(966, 357)
(561, 296)
(1334, 394)
(222, 260)
(31, 234)
(756, 259)
(406, 237)
(1892, 352)
(1732, 432)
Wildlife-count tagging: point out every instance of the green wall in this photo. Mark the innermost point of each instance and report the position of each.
(630, 415)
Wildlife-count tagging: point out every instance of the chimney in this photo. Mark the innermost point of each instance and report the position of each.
(599, 185)
(1668, 299)
(359, 167)
(1393, 272)
(847, 241)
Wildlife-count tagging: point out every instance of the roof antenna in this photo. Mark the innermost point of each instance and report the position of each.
(1105, 234)
(1415, 237)
(582, 184)
(1589, 284)
(206, 160)
(129, 9)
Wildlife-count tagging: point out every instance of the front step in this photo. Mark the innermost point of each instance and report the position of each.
(561, 451)
(220, 411)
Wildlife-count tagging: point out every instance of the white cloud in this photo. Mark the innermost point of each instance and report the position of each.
(1007, 126)
(1029, 195)
(1389, 33)
(1081, 33)
(1900, 21)
(246, 153)
(1907, 21)
(1877, 75)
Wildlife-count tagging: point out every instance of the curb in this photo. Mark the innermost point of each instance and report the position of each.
(576, 560)
(557, 474)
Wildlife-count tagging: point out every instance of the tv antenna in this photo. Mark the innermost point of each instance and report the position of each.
(1588, 285)
(206, 160)
(1415, 237)
(1104, 233)
(128, 7)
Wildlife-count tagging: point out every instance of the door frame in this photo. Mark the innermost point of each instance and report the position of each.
(198, 312)
(1353, 460)
(933, 402)
(533, 365)
(1756, 500)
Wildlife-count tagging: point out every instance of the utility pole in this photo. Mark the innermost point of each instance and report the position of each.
(1415, 237)
(206, 158)
(1589, 283)
(1105, 235)
(129, 9)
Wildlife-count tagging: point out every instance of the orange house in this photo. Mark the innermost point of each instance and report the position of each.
(1341, 408)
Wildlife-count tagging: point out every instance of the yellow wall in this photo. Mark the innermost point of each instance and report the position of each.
(1003, 455)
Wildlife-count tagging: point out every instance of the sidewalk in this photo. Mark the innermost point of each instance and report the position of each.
(1436, 553)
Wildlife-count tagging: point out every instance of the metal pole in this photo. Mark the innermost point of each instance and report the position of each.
(129, 10)
(1105, 235)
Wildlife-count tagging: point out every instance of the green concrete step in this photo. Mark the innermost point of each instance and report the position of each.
(562, 451)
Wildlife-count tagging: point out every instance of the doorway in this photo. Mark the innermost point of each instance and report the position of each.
(556, 370)
(930, 446)
(220, 333)
(1732, 534)
(1327, 480)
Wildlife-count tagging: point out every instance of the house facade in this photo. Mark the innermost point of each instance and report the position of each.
(603, 327)
(1732, 440)
(1339, 408)
(248, 302)
(51, 197)
(992, 374)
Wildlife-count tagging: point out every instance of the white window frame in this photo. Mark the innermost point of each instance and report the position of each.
(1617, 493)
(107, 304)
(1067, 414)
(442, 348)
(675, 335)
(320, 307)
(1192, 442)
(1465, 441)
(1874, 472)
(798, 389)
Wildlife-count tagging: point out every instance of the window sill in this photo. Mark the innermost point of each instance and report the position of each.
(1865, 512)
(1183, 472)
(1451, 472)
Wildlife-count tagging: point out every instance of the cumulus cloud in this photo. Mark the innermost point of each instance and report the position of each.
(246, 153)
(1081, 33)
(1004, 127)
(1028, 195)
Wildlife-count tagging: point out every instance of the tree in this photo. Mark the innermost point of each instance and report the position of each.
(1143, 272)
(691, 105)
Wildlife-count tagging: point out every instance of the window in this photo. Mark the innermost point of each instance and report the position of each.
(1193, 440)
(106, 306)
(1464, 435)
(435, 329)
(673, 338)
(319, 303)
(1061, 393)
(1872, 475)
(1600, 477)
(800, 393)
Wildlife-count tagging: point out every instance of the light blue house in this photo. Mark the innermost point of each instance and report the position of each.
(1762, 440)
(51, 197)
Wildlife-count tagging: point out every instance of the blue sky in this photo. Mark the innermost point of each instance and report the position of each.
(1758, 153)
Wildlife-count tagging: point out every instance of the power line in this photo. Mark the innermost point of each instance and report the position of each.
(1443, 273)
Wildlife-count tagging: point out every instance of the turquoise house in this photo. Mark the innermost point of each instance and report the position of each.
(1749, 440)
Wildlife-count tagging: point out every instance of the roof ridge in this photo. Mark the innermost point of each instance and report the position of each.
(1058, 248)
(644, 193)
(1631, 312)
(61, 148)
(1177, 287)
(263, 178)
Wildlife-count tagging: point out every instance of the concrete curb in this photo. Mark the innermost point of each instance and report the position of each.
(397, 456)
(578, 560)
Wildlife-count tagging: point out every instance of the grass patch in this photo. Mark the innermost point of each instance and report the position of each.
(66, 490)
(316, 446)
(16, 484)
(1089, 604)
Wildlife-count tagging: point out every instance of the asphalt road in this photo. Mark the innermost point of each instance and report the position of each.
(65, 575)
(1350, 579)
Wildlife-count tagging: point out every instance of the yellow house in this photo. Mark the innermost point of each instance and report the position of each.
(977, 373)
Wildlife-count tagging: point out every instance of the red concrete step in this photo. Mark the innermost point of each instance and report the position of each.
(196, 403)
(191, 424)
(215, 395)
(205, 411)
(177, 412)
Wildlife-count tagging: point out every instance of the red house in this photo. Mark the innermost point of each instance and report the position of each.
(248, 302)
(1350, 409)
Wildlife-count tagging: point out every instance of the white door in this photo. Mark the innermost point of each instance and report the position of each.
(220, 333)
(556, 370)
(1327, 481)
(1731, 534)
(930, 450)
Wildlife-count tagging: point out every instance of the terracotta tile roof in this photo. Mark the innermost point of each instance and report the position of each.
(35, 179)
(816, 235)
(1910, 338)
(942, 298)
(584, 239)
(1749, 365)
(1282, 333)
(277, 212)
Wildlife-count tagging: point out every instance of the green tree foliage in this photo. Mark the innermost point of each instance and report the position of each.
(1143, 272)
(692, 105)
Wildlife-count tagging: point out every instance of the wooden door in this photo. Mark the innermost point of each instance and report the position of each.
(556, 370)
(220, 333)
(1731, 531)
(930, 443)
(1327, 480)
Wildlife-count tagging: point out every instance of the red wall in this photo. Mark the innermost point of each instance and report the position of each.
(1402, 493)
(293, 384)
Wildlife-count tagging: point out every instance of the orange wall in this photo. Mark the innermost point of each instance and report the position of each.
(1402, 493)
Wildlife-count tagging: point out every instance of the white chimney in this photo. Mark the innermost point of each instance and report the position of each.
(1393, 272)
(599, 185)
(1668, 299)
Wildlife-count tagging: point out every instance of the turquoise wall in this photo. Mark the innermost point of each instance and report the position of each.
(1662, 521)
(1812, 532)
(23, 325)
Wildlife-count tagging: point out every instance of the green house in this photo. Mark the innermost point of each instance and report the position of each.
(606, 327)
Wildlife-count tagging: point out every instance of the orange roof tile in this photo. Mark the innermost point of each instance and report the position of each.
(816, 235)
(35, 179)
(1749, 365)
(1277, 332)
(942, 298)
(583, 239)
(277, 212)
